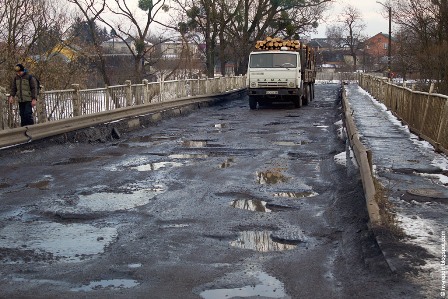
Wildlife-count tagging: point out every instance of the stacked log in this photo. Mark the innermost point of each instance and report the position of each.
(275, 43)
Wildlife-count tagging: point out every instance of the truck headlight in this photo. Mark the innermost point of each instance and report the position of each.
(291, 84)
(253, 84)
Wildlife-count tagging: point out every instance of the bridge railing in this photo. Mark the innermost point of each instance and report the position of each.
(425, 113)
(61, 104)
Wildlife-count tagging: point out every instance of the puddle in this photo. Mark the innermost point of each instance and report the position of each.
(77, 160)
(220, 126)
(260, 241)
(271, 177)
(152, 138)
(113, 284)
(268, 287)
(296, 194)
(174, 225)
(195, 143)
(286, 143)
(107, 201)
(42, 185)
(135, 266)
(250, 205)
(157, 166)
(188, 156)
(70, 242)
(226, 163)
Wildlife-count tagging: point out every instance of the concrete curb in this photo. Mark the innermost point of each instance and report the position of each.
(364, 158)
(126, 119)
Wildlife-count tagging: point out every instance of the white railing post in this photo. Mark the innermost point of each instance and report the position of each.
(145, 91)
(107, 95)
(128, 93)
(76, 100)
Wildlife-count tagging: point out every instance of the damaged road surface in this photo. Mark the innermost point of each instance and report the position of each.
(225, 202)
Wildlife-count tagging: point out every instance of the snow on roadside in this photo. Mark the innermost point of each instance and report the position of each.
(423, 223)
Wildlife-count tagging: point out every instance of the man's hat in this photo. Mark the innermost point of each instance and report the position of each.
(19, 68)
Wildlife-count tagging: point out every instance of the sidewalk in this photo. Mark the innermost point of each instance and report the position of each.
(416, 179)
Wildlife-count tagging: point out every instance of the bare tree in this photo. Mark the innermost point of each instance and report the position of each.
(91, 10)
(30, 31)
(237, 24)
(352, 31)
(133, 31)
(426, 26)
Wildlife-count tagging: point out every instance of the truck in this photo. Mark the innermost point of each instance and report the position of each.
(281, 71)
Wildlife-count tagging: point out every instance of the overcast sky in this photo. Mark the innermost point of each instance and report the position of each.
(371, 11)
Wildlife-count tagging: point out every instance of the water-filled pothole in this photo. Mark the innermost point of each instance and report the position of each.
(220, 126)
(152, 138)
(77, 160)
(272, 176)
(195, 143)
(157, 166)
(250, 205)
(259, 241)
(114, 284)
(226, 163)
(268, 287)
(296, 194)
(188, 156)
(68, 242)
(39, 185)
(109, 201)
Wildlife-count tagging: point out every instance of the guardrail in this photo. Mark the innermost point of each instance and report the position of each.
(426, 114)
(57, 105)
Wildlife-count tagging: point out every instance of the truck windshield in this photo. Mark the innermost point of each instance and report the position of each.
(273, 60)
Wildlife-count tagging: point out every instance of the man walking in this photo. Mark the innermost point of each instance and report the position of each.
(24, 86)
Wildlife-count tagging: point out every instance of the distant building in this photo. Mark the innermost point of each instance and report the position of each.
(178, 49)
(377, 45)
(376, 52)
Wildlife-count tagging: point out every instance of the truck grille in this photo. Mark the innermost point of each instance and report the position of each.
(272, 84)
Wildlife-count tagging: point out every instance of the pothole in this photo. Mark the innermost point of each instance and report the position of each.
(114, 284)
(157, 166)
(152, 138)
(77, 160)
(273, 176)
(226, 163)
(68, 242)
(286, 143)
(4, 185)
(250, 205)
(195, 143)
(220, 126)
(188, 156)
(260, 241)
(302, 194)
(42, 185)
(109, 201)
(266, 287)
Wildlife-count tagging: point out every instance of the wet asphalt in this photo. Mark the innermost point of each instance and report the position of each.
(224, 202)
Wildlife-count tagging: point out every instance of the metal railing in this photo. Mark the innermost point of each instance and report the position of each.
(61, 104)
(425, 113)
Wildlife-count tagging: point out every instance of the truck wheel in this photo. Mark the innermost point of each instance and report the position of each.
(307, 95)
(298, 101)
(312, 91)
(252, 103)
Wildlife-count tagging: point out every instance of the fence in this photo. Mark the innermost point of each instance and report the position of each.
(62, 104)
(425, 113)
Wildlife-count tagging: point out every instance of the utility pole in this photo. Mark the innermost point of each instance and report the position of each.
(389, 46)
